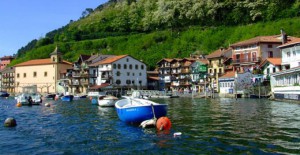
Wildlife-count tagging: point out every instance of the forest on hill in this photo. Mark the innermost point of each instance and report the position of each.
(153, 29)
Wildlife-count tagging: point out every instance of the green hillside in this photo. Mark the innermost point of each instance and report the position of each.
(154, 29)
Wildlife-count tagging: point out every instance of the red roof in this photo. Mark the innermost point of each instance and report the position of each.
(260, 39)
(39, 62)
(229, 74)
(109, 60)
(292, 41)
(274, 61)
(153, 78)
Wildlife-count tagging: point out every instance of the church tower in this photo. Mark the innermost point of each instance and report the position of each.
(56, 56)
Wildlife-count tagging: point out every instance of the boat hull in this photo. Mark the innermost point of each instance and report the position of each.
(4, 94)
(67, 98)
(139, 114)
(107, 101)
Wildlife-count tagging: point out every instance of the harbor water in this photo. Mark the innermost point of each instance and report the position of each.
(208, 126)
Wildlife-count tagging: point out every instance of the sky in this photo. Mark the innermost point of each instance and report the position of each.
(24, 20)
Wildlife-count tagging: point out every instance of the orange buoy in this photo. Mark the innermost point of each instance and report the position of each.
(19, 104)
(163, 123)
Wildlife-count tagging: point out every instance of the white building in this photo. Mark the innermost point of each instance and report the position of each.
(121, 71)
(285, 84)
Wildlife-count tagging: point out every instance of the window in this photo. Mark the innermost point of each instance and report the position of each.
(140, 74)
(18, 75)
(118, 82)
(136, 67)
(133, 74)
(140, 82)
(270, 54)
(115, 66)
(132, 81)
(130, 66)
(118, 73)
(45, 74)
(119, 66)
(142, 67)
(288, 54)
(128, 73)
(294, 53)
(127, 60)
(24, 75)
(34, 74)
(125, 66)
(128, 82)
(270, 46)
(274, 69)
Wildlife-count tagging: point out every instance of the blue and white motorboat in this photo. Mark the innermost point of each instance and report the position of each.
(4, 94)
(67, 98)
(136, 110)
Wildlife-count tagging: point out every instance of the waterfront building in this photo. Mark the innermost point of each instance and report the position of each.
(78, 76)
(227, 84)
(4, 61)
(216, 67)
(8, 79)
(270, 65)
(153, 80)
(164, 69)
(120, 72)
(198, 74)
(42, 74)
(285, 84)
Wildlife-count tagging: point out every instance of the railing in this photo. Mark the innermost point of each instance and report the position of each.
(245, 60)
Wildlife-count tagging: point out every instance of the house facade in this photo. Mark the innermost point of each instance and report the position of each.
(42, 74)
(4, 61)
(198, 74)
(8, 79)
(121, 71)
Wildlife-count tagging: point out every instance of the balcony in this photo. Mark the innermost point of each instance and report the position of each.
(246, 60)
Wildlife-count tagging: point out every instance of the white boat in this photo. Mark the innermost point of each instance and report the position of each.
(29, 99)
(107, 100)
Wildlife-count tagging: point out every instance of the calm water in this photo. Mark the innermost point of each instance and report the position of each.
(219, 126)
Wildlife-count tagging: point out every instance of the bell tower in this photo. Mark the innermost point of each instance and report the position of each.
(56, 56)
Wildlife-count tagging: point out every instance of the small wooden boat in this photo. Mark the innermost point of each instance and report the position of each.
(107, 101)
(136, 110)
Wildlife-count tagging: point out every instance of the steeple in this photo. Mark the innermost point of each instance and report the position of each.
(56, 56)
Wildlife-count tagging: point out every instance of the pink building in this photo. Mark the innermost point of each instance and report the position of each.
(4, 61)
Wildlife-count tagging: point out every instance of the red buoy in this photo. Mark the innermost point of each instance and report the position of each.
(163, 123)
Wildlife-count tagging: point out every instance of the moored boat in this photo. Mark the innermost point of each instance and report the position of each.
(50, 96)
(67, 98)
(135, 110)
(4, 94)
(29, 99)
(107, 101)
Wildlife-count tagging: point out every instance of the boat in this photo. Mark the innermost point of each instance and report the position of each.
(136, 110)
(107, 100)
(50, 96)
(67, 98)
(4, 94)
(29, 99)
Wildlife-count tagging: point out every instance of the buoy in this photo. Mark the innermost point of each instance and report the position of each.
(19, 104)
(56, 97)
(10, 122)
(163, 123)
(47, 104)
(91, 97)
(177, 134)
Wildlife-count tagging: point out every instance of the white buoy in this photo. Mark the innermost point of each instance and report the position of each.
(177, 134)
(148, 123)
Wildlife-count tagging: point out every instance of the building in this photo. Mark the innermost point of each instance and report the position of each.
(198, 74)
(216, 67)
(153, 80)
(227, 84)
(8, 79)
(120, 72)
(270, 65)
(42, 74)
(4, 61)
(164, 69)
(247, 55)
(285, 84)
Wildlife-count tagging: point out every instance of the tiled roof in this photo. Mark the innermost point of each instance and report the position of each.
(6, 57)
(165, 59)
(109, 60)
(39, 62)
(204, 61)
(218, 53)
(259, 39)
(274, 61)
(153, 78)
(229, 74)
(292, 41)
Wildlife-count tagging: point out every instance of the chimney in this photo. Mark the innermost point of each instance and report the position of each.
(283, 36)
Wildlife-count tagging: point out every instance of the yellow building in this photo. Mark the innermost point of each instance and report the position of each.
(42, 74)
